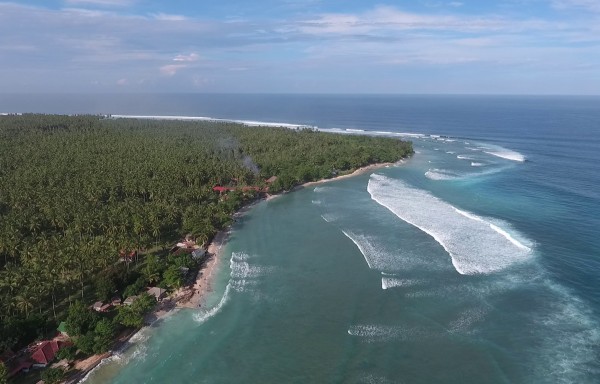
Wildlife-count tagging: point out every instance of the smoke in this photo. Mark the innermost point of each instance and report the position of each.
(251, 165)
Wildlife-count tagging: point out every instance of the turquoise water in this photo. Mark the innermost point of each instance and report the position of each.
(476, 261)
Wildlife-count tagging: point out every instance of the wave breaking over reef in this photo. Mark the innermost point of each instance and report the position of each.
(477, 245)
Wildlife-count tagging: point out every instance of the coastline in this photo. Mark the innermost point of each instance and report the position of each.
(203, 283)
(193, 297)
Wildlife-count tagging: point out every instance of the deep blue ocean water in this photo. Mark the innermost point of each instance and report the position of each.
(476, 261)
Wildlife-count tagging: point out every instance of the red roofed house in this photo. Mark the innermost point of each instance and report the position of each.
(45, 351)
(222, 189)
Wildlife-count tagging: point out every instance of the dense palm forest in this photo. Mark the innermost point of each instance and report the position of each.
(76, 190)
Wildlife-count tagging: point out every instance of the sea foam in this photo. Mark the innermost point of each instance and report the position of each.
(388, 282)
(203, 316)
(475, 244)
(505, 153)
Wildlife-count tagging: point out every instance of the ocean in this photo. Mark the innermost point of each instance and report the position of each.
(475, 261)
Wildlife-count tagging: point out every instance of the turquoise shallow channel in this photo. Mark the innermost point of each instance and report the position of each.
(476, 261)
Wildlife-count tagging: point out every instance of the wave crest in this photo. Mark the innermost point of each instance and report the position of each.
(474, 245)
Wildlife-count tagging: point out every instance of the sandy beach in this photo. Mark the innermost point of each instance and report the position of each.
(202, 286)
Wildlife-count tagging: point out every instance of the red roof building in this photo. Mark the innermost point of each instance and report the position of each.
(45, 351)
(223, 189)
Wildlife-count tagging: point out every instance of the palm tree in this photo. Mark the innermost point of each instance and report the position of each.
(24, 303)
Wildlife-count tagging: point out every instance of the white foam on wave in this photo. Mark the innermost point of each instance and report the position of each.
(509, 155)
(394, 282)
(440, 174)
(384, 333)
(328, 217)
(202, 316)
(495, 228)
(408, 134)
(477, 164)
(505, 153)
(473, 245)
(569, 346)
(321, 189)
(360, 246)
(249, 123)
(371, 379)
(467, 319)
(354, 130)
(450, 152)
(243, 274)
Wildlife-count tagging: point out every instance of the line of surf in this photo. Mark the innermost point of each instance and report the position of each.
(475, 244)
(360, 248)
(203, 316)
(250, 123)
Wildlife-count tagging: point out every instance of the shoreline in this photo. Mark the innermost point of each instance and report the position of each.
(203, 283)
(193, 297)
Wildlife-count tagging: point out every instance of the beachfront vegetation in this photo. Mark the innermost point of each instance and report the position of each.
(79, 194)
(3, 373)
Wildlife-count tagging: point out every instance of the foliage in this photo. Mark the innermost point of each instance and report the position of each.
(129, 318)
(76, 190)
(103, 336)
(80, 319)
(153, 269)
(135, 288)
(52, 375)
(3, 373)
(133, 315)
(17, 332)
(105, 287)
(69, 352)
(144, 303)
(172, 277)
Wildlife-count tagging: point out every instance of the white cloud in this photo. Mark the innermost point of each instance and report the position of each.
(83, 45)
(187, 58)
(168, 17)
(386, 19)
(171, 69)
(590, 5)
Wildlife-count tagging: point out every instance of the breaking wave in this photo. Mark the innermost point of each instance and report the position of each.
(360, 245)
(504, 153)
(440, 174)
(394, 282)
(384, 333)
(475, 244)
(202, 316)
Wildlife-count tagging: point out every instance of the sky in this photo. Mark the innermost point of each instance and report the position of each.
(301, 46)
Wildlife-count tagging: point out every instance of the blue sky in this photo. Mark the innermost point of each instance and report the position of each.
(301, 46)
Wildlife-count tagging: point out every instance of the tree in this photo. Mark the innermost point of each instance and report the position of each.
(133, 315)
(53, 375)
(3, 373)
(77, 189)
(135, 288)
(153, 269)
(80, 319)
(105, 287)
(69, 352)
(103, 336)
(172, 277)
(128, 317)
(86, 343)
